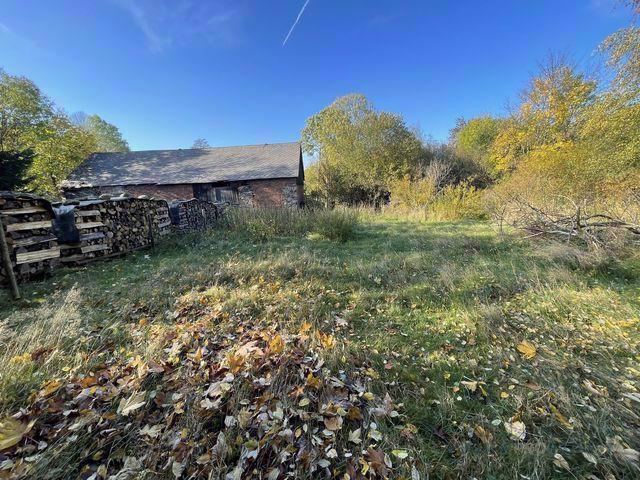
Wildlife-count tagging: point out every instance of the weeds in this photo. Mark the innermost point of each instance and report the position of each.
(264, 223)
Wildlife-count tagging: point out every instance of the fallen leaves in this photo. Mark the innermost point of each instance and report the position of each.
(151, 431)
(276, 345)
(264, 396)
(561, 462)
(131, 404)
(590, 458)
(471, 386)
(12, 431)
(401, 454)
(560, 417)
(516, 429)
(595, 389)
(50, 387)
(248, 396)
(623, 452)
(355, 436)
(483, 434)
(527, 349)
(333, 423)
(327, 341)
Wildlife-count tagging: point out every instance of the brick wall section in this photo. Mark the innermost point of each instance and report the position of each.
(164, 192)
(268, 193)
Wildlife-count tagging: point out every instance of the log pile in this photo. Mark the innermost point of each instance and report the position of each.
(116, 226)
(134, 223)
(192, 215)
(40, 236)
(33, 247)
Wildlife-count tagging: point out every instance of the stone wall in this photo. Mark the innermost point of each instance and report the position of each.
(245, 196)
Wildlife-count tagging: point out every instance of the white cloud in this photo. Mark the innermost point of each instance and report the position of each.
(18, 41)
(167, 23)
(4, 29)
(155, 41)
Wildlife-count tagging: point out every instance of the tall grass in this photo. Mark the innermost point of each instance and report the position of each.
(264, 223)
(427, 306)
(31, 350)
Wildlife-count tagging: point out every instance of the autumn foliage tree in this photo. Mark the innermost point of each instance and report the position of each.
(571, 148)
(41, 141)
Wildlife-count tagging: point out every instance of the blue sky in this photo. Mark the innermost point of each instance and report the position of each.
(169, 71)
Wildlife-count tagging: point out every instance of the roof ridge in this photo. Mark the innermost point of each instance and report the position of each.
(209, 148)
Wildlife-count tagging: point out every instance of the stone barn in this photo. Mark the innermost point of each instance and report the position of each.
(268, 175)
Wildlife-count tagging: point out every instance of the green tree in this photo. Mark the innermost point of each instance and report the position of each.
(62, 149)
(359, 149)
(473, 138)
(14, 166)
(24, 112)
(107, 136)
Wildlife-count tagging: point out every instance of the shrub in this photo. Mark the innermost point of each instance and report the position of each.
(458, 202)
(412, 194)
(335, 225)
(264, 223)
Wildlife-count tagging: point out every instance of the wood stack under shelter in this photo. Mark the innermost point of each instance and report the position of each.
(194, 214)
(32, 245)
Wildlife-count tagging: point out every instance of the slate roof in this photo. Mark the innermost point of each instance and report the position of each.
(166, 167)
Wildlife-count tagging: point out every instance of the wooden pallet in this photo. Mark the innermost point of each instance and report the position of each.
(38, 256)
(17, 227)
(22, 211)
(85, 225)
(94, 248)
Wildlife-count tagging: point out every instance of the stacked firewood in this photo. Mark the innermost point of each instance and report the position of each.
(134, 223)
(112, 227)
(191, 215)
(32, 245)
(40, 236)
(91, 242)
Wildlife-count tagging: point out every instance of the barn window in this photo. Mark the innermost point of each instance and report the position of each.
(227, 195)
(216, 193)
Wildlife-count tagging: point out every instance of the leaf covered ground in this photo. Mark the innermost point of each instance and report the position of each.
(416, 350)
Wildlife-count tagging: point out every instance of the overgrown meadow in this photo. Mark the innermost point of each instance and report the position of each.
(399, 349)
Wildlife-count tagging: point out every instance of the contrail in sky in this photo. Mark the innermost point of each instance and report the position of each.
(296, 22)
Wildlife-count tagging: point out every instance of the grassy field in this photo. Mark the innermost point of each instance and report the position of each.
(415, 350)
